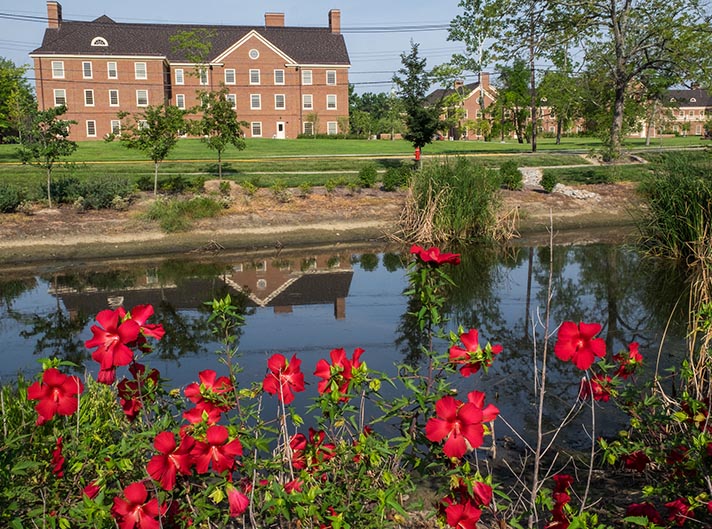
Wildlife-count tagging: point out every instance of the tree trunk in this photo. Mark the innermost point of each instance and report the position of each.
(49, 187)
(617, 123)
(559, 126)
(155, 179)
(649, 124)
(219, 165)
(532, 74)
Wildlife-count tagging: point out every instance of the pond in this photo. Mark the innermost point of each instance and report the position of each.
(312, 301)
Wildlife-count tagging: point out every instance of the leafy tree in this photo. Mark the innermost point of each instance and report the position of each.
(44, 141)
(413, 83)
(16, 98)
(154, 131)
(635, 39)
(513, 96)
(219, 126)
(560, 92)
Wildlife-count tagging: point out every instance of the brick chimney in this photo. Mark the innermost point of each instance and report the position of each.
(274, 20)
(335, 21)
(459, 83)
(484, 80)
(54, 14)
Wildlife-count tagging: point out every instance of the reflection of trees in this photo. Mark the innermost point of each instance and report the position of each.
(368, 261)
(13, 289)
(184, 334)
(394, 261)
(411, 339)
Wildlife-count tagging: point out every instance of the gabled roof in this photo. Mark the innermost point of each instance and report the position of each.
(306, 45)
(467, 90)
(684, 98)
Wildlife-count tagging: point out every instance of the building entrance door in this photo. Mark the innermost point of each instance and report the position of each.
(280, 130)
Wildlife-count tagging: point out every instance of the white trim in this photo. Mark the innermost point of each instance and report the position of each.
(304, 127)
(233, 99)
(93, 101)
(95, 42)
(182, 76)
(136, 71)
(311, 102)
(326, 74)
(335, 107)
(91, 70)
(178, 103)
(118, 101)
(108, 70)
(284, 77)
(259, 98)
(84, 56)
(284, 101)
(311, 78)
(52, 70)
(254, 34)
(115, 124)
(336, 128)
(137, 100)
(54, 96)
(330, 66)
(203, 76)
(252, 129)
(259, 76)
(89, 134)
(234, 76)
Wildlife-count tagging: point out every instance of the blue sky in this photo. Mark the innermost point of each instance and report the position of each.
(374, 55)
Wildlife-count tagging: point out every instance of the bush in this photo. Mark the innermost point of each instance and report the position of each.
(280, 191)
(174, 184)
(10, 199)
(102, 192)
(305, 188)
(64, 189)
(367, 175)
(177, 215)
(396, 177)
(224, 188)
(330, 185)
(549, 181)
(511, 176)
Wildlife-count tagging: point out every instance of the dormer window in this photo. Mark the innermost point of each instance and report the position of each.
(693, 100)
(99, 41)
(672, 100)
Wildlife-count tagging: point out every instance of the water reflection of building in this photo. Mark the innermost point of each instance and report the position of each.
(282, 284)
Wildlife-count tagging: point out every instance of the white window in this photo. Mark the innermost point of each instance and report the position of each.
(332, 127)
(88, 98)
(256, 129)
(232, 98)
(111, 71)
(306, 77)
(307, 102)
(57, 69)
(116, 127)
(179, 76)
(113, 98)
(142, 98)
(86, 70)
(203, 76)
(91, 128)
(279, 77)
(60, 97)
(255, 101)
(309, 128)
(230, 76)
(140, 70)
(99, 41)
(279, 102)
(254, 77)
(180, 100)
(331, 77)
(142, 124)
(331, 102)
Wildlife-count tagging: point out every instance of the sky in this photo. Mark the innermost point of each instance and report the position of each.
(376, 31)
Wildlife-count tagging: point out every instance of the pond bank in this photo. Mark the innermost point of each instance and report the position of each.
(609, 213)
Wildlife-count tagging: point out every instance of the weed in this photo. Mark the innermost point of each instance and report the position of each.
(305, 188)
(280, 191)
(330, 185)
(177, 215)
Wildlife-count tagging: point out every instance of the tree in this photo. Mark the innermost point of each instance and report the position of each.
(219, 126)
(513, 96)
(45, 141)
(155, 132)
(637, 39)
(413, 82)
(559, 91)
(16, 99)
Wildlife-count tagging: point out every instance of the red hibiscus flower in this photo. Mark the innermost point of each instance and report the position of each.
(433, 257)
(203, 412)
(489, 412)
(637, 460)
(140, 314)
(171, 459)
(459, 424)
(462, 515)
(91, 490)
(58, 459)
(562, 482)
(311, 454)
(473, 357)
(57, 394)
(599, 387)
(283, 378)
(482, 493)
(216, 449)
(110, 338)
(134, 512)
(678, 511)
(132, 393)
(337, 376)
(237, 500)
(211, 389)
(645, 509)
(627, 364)
(293, 486)
(577, 343)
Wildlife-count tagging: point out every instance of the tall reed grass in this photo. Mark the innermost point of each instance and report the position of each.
(679, 208)
(452, 200)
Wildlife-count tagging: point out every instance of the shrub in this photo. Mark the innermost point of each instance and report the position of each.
(174, 184)
(367, 175)
(511, 176)
(549, 181)
(101, 192)
(145, 182)
(280, 191)
(330, 185)
(65, 189)
(305, 188)
(396, 177)
(10, 199)
(248, 188)
(224, 188)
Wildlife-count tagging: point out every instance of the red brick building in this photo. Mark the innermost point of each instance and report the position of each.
(282, 80)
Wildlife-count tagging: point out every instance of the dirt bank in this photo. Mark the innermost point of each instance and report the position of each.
(262, 221)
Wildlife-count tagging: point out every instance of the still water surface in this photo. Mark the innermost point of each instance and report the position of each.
(311, 302)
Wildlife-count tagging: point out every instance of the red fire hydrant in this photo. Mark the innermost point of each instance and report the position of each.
(417, 154)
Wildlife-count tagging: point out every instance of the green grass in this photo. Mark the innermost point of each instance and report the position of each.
(178, 215)
(603, 174)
